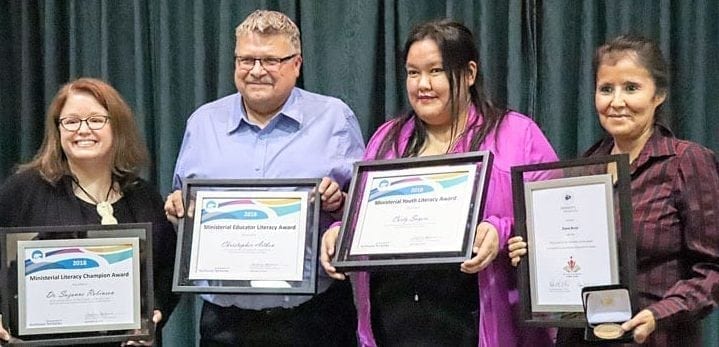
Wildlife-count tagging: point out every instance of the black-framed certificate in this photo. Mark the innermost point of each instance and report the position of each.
(418, 212)
(576, 219)
(66, 285)
(248, 236)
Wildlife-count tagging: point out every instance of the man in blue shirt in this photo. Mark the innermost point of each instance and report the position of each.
(272, 129)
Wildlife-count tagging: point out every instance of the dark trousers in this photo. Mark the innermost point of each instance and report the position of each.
(328, 319)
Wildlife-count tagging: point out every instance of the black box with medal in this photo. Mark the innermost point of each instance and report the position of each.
(606, 308)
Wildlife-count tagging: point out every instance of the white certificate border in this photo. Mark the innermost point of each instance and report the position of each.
(560, 183)
(200, 197)
(469, 169)
(32, 244)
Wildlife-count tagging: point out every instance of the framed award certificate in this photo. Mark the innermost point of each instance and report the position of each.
(413, 212)
(248, 236)
(77, 283)
(573, 215)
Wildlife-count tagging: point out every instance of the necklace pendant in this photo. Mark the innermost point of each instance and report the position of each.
(108, 220)
(104, 209)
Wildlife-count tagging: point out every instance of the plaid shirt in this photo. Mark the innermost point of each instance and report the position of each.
(675, 200)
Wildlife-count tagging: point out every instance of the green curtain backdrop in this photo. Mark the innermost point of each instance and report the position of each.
(166, 57)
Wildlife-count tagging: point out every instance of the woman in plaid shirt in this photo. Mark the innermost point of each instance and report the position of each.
(675, 189)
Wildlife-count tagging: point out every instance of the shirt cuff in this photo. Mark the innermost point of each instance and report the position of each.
(335, 224)
(663, 310)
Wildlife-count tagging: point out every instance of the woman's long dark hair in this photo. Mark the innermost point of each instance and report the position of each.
(456, 45)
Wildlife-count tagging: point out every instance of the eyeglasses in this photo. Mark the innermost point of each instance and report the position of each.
(73, 123)
(267, 63)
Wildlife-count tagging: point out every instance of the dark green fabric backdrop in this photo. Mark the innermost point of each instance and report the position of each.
(167, 57)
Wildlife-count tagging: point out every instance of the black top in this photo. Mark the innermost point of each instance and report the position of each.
(26, 199)
(425, 308)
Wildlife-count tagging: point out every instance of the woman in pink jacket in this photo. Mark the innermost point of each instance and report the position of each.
(450, 114)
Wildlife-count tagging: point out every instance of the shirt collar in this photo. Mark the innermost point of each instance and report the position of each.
(290, 110)
(660, 144)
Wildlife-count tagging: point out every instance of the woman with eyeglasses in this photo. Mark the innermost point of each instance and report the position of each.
(86, 172)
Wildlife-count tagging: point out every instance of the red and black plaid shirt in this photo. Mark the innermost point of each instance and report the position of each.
(675, 201)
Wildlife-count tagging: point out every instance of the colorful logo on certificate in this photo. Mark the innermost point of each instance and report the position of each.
(210, 205)
(415, 185)
(572, 265)
(37, 255)
(249, 209)
(75, 258)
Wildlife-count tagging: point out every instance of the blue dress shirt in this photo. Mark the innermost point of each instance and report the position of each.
(312, 136)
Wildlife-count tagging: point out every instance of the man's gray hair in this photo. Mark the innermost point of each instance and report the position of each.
(270, 23)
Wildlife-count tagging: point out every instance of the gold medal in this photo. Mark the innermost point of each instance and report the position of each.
(608, 331)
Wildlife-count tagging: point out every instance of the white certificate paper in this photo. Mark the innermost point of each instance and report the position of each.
(241, 235)
(414, 211)
(572, 242)
(78, 285)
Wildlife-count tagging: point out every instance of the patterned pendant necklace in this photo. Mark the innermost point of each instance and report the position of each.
(103, 208)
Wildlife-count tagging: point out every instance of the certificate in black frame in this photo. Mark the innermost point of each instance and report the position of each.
(247, 189)
(359, 195)
(618, 167)
(9, 237)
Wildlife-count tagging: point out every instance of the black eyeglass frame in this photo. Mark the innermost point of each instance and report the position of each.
(273, 61)
(86, 120)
